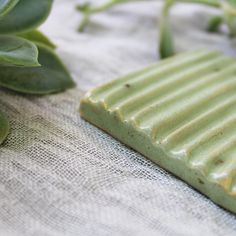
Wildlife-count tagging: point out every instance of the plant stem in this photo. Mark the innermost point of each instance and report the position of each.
(107, 5)
(166, 44)
(212, 3)
(84, 22)
(88, 10)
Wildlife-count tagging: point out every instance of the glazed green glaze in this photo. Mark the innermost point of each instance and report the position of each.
(26, 15)
(4, 127)
(179, 113)
(6, 6)
(51, 77)
(38, 37)
(15, 51)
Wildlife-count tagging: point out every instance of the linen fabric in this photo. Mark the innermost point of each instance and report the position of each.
(61, 176)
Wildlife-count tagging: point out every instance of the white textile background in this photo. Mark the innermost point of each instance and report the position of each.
(60, 176)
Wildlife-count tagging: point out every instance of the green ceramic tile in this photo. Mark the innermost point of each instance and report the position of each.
(181, 114)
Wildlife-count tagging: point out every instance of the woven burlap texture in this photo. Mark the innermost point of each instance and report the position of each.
(61, 176)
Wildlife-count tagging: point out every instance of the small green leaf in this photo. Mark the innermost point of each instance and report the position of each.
(51, 77)
(37, 37)
(6, 6)
(214, 23)
(4, 127)
(26, 15)
(15, 51)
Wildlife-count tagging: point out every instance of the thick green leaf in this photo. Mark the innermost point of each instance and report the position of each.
(15, 51)
(6, 6)
(38, 37)
(51, 77)
(26, 15)
(4, 127)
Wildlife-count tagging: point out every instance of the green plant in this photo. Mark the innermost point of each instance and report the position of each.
(28, 63)
(166, 42)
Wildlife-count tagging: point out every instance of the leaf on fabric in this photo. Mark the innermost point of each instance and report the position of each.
(26, 15)
(38, 37)
(51, 77)
(15, 51)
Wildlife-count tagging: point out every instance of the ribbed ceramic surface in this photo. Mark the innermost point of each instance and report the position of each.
(187, 105)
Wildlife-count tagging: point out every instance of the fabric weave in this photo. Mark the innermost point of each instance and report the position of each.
(61, 176)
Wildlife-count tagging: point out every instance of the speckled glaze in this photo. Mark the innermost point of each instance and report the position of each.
(180, 113)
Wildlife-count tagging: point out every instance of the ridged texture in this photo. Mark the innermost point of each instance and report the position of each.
(187, 105)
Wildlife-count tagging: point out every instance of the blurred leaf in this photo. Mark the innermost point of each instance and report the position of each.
(214, 23)
(83, 7)
(231, 3)
(84, 22)
(229, 8)
(51, 77)
(26, 15)
(166, 46)
(15, 51)
(6, 6)
(89, 9)
(37, 37)
(4, 127)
